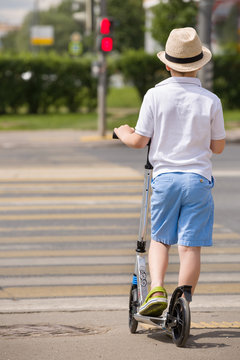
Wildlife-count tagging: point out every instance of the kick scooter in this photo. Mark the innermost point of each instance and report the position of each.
(176, 321)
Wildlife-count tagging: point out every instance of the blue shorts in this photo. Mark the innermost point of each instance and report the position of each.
(182, 209)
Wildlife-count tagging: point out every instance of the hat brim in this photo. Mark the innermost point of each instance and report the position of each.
(207, 55)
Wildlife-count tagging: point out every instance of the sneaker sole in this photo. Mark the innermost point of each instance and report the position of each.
(154, 306)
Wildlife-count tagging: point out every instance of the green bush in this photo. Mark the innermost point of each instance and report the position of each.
(11, 92)
(40, 81)
(227, 79)
(144, 71)
(37, 82)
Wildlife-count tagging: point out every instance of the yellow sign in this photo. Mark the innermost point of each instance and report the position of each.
(46, 42)
(42, 35)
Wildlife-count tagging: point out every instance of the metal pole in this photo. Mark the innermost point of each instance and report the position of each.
(204, 30)
(102, 95)
(102, 83)
(89, 16)
(35, 21)
(92, 17)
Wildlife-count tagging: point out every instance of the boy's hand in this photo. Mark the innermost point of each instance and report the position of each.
(128, 136)
(123, 130)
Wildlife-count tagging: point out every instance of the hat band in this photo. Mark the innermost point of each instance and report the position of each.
(184, 60)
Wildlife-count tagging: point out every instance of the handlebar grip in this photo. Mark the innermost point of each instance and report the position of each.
(114, 135)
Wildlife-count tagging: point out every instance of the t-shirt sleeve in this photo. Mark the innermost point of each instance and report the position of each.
(217, 124)
(145, 123)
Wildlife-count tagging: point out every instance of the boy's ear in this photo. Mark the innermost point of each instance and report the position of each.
(168, 68)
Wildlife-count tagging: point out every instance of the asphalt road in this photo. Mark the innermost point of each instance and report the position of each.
(69, 214)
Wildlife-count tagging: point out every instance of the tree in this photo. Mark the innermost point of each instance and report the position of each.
(129, 19)
(9, 41)
(227, 30)
(170, 15)
(128, 16)
(59, 17)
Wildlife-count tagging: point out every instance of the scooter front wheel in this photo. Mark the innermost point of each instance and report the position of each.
(133, 301)
(182, 318)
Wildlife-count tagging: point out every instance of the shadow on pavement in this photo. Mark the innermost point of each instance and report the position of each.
(196, 338)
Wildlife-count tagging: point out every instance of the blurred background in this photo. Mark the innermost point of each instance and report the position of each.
(51, 58)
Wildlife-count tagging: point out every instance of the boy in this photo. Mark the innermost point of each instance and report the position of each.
(185, 124)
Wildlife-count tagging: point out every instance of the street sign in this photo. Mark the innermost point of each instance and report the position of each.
(75, 46)
(42, 35)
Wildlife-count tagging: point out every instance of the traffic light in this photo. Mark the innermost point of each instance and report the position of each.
(106, 39)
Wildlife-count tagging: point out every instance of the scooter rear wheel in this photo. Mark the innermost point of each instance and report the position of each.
(133, 301)
(181, 313)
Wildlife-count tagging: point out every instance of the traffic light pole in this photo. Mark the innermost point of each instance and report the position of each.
(102, 83)
(102, 94)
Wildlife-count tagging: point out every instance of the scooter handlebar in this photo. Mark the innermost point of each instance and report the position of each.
(114, 135)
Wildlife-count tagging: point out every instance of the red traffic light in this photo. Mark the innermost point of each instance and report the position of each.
(105, 26)
(105, 36)
(106, 44)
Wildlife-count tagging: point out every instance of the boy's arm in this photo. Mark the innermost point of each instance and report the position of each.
(217, 146)
(128, 136)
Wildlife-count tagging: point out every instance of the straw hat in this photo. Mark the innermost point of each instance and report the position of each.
(184, 51)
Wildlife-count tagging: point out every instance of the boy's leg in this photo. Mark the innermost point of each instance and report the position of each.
(190, 263)
(158, 263)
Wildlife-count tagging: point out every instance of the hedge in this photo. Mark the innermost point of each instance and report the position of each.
(40, 81)
(227, 80)
(145, 70)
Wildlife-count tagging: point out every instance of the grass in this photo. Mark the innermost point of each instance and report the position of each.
(232, 118)
(48, 121)
(126, 97)
(122, 108)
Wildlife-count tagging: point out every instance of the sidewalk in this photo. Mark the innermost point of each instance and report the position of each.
(66, 137)
(105, 335)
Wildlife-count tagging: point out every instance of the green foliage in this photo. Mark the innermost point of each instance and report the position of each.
(40, 81)
(59, 17)
(9, 42)
(142, 69)
(227, 30)
(170, 15)
(129, 18)
(227, 79)
(64, 26)
(44, 82)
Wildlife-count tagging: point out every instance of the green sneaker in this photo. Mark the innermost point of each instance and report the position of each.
(154, 305)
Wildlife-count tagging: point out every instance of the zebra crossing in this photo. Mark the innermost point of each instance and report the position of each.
(73, 241)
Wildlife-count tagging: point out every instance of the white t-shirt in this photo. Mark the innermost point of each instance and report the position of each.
(181, 118)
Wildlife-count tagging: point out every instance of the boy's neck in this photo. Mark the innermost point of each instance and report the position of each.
(183, 74)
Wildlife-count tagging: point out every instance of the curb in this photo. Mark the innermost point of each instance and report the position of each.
(112, 303)
(66, 137)
(233, 136)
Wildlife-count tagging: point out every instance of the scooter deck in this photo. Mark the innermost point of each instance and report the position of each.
(155, 321)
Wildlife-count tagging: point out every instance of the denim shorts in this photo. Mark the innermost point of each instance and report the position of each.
(182, 209)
